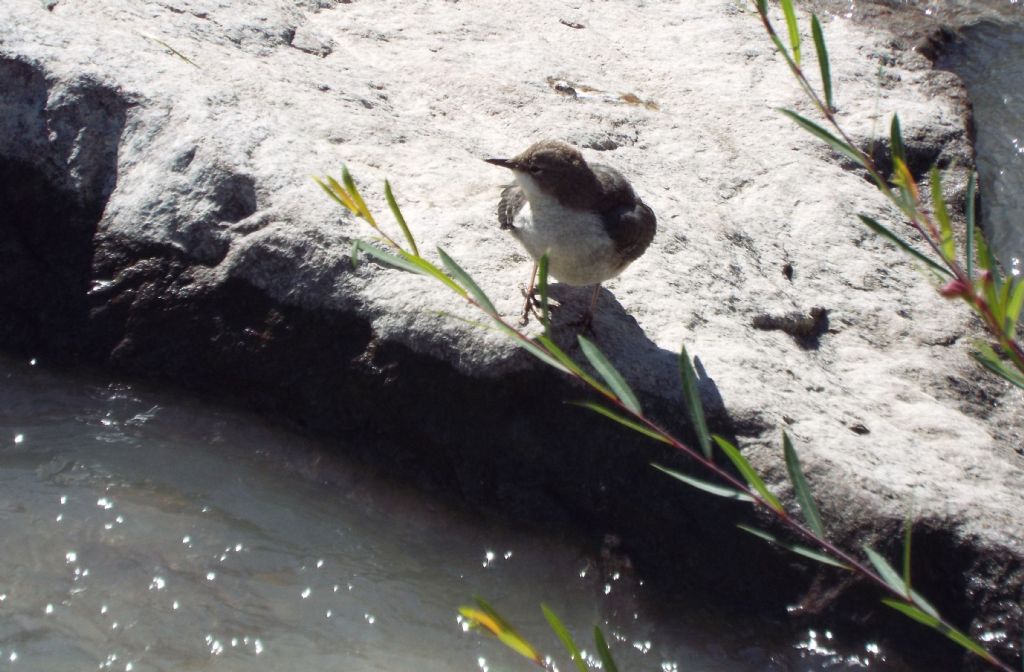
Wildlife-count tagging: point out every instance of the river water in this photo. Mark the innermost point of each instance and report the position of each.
(146, 532)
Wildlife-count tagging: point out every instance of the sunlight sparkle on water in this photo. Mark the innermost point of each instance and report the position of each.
(19, 438)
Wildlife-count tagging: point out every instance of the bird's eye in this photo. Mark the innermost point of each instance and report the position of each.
(536, 170)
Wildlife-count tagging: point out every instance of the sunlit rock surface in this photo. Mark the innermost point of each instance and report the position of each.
(159, 217)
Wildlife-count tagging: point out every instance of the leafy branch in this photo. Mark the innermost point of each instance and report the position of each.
(621, 404)
(997, 298)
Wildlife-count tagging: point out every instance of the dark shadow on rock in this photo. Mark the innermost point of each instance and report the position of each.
(58, 166)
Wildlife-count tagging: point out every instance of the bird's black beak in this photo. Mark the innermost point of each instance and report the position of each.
(504, 163)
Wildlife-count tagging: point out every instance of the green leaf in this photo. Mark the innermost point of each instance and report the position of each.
(603, 652)
(748, 472)
(971, 183)
(565, 637)
(836, 144)
(947, 244)
(712, 488)
(822, 53)
(386, 257)
(531, 347)
(935, 624)
(791, 27)
(886, 571)
(466, 281)
(624, 421)
(489, 619)
(357, 199)
(610, 375)
(903, 245)
(572, 366)
(991, 361)
(542, 287)
(794, 548)
(397, 212)
(691, 395)
(800, 488)
(1013, 307)
(896, 146)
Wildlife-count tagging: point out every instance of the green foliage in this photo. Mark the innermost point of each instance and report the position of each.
(800, 488)
(564, 637)
(623, 406)
(694, 406)
(998, 301)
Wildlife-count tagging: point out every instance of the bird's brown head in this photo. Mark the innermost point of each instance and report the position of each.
(553, 167)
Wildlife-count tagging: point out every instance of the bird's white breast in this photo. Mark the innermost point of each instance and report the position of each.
(579, 251)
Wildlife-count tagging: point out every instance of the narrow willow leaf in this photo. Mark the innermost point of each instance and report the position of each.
(564, 637)
(946, 243)
(329, 192)
(800, 488)
(552, 347)
(626, 422)
(908, 188)
(886, 571)
(985, 258)
(386, 257)
(792, 29)
(603, 652)
(691, 395)
(542, 287)
(748, 472)
(970, 226)
(357, 198)
(903, 245)
(923, 604)
(794, 548)
(988, 358)
(342, 196)
(610, 375)
(493, 623)
(531, 347)
(836, 144)
(463, 278)
(712, 488)
(935, 624)
(762, 7)
(1004, 300)
(1013, 307)
(355, 253)
(822, 53)
(428, 268)
(397, 212)
(896, 146)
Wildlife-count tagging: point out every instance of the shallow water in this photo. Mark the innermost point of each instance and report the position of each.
(990, 60)
(147, 532)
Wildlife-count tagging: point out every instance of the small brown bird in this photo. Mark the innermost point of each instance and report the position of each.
(585, 217)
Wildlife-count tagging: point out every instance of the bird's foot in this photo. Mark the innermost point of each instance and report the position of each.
(535, 306)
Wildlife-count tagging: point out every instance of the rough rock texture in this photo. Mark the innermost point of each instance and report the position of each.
(158, 216)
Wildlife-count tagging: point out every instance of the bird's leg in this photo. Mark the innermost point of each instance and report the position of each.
(528, 306)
